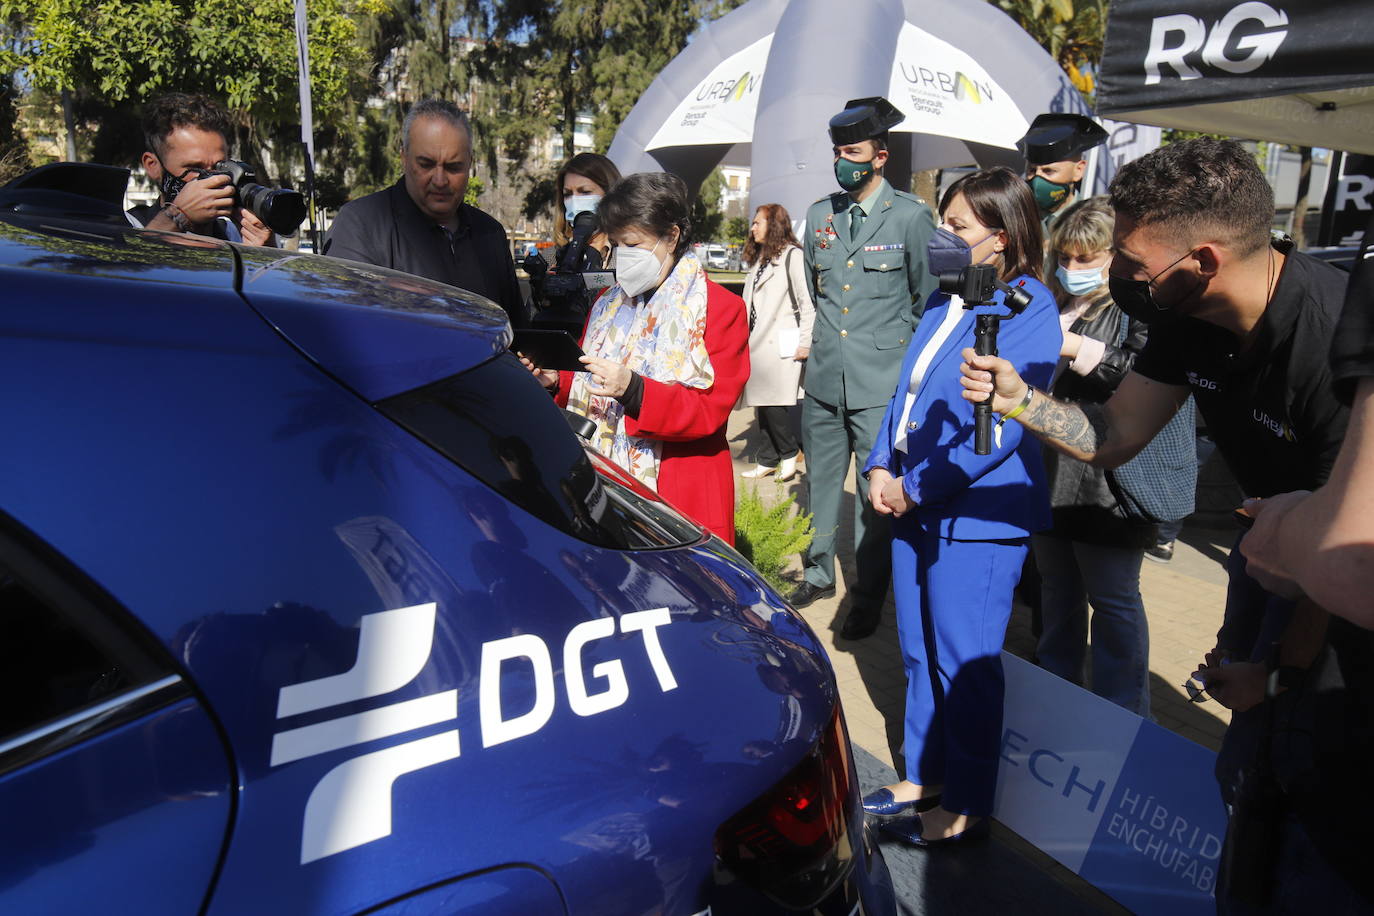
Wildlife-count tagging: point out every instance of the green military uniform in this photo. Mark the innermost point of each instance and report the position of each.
(870, 290)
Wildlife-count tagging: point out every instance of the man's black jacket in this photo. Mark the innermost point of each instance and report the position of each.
(387, 229)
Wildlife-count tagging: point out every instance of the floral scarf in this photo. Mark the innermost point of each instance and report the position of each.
(663, 339)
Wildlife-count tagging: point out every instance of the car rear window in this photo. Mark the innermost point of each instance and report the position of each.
(500, 426)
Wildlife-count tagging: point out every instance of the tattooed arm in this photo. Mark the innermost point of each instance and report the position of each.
(1105, 435)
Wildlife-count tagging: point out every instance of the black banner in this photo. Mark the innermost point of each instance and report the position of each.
(1349, 199)
(1168, 53)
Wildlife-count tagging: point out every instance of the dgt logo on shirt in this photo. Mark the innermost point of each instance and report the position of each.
(1198, 381)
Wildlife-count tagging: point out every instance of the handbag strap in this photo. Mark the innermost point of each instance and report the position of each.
(787, 269)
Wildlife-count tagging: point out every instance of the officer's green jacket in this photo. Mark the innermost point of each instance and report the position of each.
(869, 294)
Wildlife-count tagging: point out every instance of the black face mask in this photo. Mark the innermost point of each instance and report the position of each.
(172, 185)
(1137, 299)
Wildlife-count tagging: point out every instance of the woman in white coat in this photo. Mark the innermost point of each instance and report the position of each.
(780, 317)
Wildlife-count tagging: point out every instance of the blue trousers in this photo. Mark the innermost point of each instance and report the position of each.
(953, 603)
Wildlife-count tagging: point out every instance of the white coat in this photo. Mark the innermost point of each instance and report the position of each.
(774, 378)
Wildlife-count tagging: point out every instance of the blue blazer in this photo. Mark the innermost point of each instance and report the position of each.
(958, 494)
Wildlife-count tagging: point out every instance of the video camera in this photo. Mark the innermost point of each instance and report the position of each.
(976, 285)
(281, 209)
(565, 288)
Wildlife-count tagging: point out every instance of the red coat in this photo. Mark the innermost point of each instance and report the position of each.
(695, 472)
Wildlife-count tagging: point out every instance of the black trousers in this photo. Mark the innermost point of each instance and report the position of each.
(779, 435)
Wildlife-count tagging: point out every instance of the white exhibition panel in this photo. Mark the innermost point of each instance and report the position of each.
(720, 108)
(945, 92)
(1129, 806)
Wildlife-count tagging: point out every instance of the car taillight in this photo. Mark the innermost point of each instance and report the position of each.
(792, 843)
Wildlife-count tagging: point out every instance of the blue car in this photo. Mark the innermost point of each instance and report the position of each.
(313, 603)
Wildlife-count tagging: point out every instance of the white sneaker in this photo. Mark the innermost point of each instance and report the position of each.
(759, 470)
(788, 469)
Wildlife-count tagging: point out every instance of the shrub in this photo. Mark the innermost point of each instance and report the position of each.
(770, 535)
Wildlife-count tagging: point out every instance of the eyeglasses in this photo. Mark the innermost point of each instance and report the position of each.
(1195, 693)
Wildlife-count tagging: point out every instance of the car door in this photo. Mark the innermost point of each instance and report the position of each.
(115, 786)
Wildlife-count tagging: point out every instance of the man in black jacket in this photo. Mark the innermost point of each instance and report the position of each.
(420, 224)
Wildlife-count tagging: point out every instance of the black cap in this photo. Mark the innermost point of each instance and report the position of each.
(864, 119)
(1059, 138)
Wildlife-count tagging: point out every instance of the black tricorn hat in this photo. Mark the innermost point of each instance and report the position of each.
(864, 119)
(1059, 138)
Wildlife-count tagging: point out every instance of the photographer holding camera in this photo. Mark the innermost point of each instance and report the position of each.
(187, 139)
(560, 301)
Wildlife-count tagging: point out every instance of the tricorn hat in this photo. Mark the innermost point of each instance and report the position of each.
(864, 119)
(1059, 138)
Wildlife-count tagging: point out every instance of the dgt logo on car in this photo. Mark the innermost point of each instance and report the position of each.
(351, 805)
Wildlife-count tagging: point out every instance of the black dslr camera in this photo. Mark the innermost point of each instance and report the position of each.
(563, 292)
(976, 285)
(281, 209)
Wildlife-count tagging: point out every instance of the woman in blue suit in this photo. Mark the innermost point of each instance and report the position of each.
(961, 521)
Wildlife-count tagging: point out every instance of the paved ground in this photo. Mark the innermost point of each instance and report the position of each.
(1183, 601)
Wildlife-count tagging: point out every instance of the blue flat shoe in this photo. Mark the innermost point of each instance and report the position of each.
(881, 804)
(908, 829)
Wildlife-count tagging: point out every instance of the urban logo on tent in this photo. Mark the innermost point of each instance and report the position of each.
(1173, 38)
(728, 90)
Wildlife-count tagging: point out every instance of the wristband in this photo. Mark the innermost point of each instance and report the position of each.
(1016, 411)
(179, 218)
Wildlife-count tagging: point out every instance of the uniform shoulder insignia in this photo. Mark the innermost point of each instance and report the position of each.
(911, 197)
(836, 200)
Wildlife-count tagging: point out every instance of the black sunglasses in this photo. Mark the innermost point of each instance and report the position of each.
(1196, 694)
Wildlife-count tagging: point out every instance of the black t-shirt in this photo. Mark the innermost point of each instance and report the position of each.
(1352, 350)
(1272, 410)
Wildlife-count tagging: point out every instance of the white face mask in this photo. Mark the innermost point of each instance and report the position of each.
(637, 269)
(579, 203)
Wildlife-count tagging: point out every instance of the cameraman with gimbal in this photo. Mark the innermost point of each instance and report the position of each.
(187, 136)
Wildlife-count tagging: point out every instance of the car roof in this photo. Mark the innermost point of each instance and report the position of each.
(381, 332)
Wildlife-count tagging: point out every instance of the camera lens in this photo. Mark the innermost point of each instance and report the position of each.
(283, 210)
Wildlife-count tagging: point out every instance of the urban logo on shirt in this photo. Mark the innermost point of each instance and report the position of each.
(1278, 427)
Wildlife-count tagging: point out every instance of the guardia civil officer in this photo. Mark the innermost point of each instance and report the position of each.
(1055, 148)
(865, 249)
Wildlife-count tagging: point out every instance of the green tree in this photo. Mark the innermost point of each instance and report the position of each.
(537, 64)
(707, 217)
(106, 56)
(737, 230)
(1072, 31)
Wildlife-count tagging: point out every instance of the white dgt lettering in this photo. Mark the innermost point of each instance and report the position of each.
(647, 622)
(612, 672)
(496, 729)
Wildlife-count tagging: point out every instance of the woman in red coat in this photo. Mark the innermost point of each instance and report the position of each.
(667, 356)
